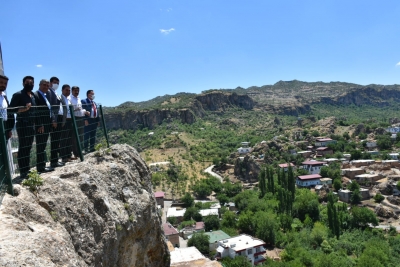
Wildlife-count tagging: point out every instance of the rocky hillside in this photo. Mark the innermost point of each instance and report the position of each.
(100, 212)
(285, 97)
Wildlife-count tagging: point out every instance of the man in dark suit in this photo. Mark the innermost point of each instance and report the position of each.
(8, 117)
(60, 113)
(45, 120)
(92, 121)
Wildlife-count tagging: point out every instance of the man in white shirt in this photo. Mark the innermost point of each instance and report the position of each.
(8, 119)
(79, 113)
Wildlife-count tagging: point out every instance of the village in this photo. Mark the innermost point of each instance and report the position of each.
(373, 177)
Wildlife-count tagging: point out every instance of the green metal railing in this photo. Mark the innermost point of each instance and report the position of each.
(35, 142)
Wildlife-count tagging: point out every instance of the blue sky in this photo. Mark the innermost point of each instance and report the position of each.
(129, 50)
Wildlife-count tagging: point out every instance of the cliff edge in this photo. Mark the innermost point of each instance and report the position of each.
(100, 212)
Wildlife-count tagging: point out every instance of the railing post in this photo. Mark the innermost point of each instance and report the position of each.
(104, 125)
(76, 133)
(7, 172)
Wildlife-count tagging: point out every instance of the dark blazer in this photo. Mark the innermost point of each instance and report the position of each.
(19, 100)
(55, 101)
(42, 111)
(87, 105)
(9, 124)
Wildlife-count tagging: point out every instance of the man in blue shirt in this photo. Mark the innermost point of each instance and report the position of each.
(92, 121)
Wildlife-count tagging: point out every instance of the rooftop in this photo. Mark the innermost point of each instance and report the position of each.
(159, 194)
(313, 162)
(309, 177)
(285, 165)
(241, 242)
(324, 139)
(189, 257)
(169, 229)
(208, 212)
(366, 175)
(325, 179)
(174, 212)
(199, 226)
(217, 235)
(323, 148)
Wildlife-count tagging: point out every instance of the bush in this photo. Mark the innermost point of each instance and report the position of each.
(379, 198)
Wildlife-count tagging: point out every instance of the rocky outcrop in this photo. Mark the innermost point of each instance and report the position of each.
(247, 169)
(385, 212)
(100, 212)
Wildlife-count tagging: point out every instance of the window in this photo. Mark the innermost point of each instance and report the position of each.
(249, 251)
(258, 249)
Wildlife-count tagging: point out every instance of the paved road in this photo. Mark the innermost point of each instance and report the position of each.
(209, 170)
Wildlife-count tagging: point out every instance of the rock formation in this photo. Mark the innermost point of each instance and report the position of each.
(100, 212)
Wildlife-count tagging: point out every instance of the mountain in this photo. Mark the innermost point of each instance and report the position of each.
(284, 97)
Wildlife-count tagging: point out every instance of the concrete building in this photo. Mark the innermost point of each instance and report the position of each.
(323, 142)
(352, 172)
(308, 180)
(326, 181)
(176, 212)
(245, 148)
(190, 257)
(285, 166)
(242, 245)
(345, 194)
(171, 234)
(305, 154)
(160, 198)
(362, 162)
(322, 151)
(367, 178)
(216, 236)
(313, 166)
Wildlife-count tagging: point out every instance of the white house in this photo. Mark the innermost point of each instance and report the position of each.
(394, 155)
(323, 142)
(313, 166)
(244, 148)
(308, 180)
(208, 212)
(242, 245)
(177, 213)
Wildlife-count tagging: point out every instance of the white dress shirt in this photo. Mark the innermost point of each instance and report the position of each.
(4, 106)
(67, 101)
(78, 110)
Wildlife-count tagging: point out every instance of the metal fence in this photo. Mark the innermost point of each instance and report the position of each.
(43, 140)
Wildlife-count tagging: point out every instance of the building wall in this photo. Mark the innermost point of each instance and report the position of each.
(313, 169)
(307, 183)
(174, 239)
(160, 201)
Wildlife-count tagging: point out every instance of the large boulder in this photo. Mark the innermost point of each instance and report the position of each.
(99, 212)
(381, 211)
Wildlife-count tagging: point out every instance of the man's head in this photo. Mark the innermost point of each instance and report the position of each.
(75, 91)
(66, 90)
(28, 83)
(90, 94)
(54, 82)
(44, 85)
(3, 83)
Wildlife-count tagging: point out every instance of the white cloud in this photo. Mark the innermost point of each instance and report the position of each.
(398, 64)
(39, 65)
(167, 31)
(169, 9)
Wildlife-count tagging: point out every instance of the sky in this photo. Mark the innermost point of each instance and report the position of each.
(129, 50)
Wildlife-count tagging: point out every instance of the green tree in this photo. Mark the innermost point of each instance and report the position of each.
(319, 233)
(172, 220)
(211, 223)
(267, 225)
(355, 197)
(361, 217)
(223, 199)
(384, 142)
(337, 184)
(228, 219)
(238, 261)
(187, 200)
(202, 189)
(192, 213)
(246, 222)
(201, 242)
(379, 198)
(353, 186)
(261, 182)
(306, 202)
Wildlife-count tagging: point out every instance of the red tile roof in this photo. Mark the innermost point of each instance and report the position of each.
(285, 165)
(169, 229)
(200, 225)
(159, 194)
(309, 177)
(310, 162)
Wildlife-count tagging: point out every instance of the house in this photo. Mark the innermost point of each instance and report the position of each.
(190, 230)
(171, 234)
(313, 166)
(367, 178)
(392, 163)
(394, 155)
(362, 162)
(323, 142)
(216, 236)
(371, 145)
(305, 154)
(345, 194)
(352, 172)
(325, 181)
(231, 206)
(160, 198)
(308, 180)
(242, 245)
(244, 148)
(285, 166)
(322, 151)
(176, 212)
(209, 212)
(190, 256)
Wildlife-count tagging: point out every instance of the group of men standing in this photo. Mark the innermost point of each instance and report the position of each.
(46, 113)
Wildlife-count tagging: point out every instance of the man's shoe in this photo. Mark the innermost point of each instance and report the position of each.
(46, 169)
(73, 158)
(66, 160)
(57, 164)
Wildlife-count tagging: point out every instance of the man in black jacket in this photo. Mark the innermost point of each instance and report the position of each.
(45, 120)
(23, 103)
(8, 117)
